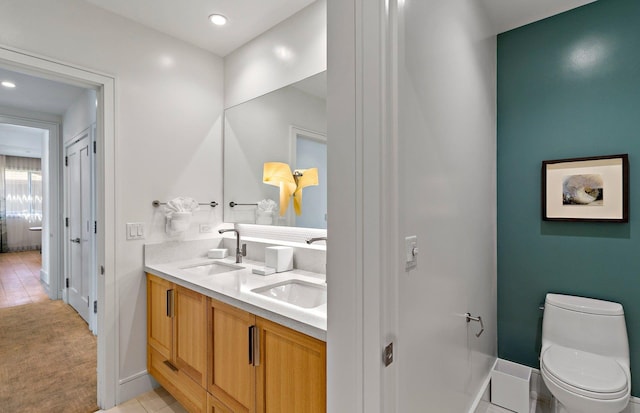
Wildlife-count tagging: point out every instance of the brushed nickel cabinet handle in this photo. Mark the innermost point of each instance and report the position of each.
(171, 366)
(256, 347)
(170, 303)
(251, 328)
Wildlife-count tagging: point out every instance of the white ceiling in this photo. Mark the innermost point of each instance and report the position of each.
(188, 19)
(33, 94)
(37, 94)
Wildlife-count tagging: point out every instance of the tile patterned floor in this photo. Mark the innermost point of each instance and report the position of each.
(155, 401)
(535, 406)
(20, 278)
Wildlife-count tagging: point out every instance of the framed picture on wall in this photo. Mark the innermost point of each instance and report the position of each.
(586, 189)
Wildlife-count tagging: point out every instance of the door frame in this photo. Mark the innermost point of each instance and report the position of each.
(50, 225)
(294, 132)
(363, 256)
(42, 66)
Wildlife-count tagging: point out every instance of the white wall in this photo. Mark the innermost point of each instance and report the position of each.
(28, 114)
(412, 114)
(169, 98)
(447, 187)
(79, 116)
(291, 51)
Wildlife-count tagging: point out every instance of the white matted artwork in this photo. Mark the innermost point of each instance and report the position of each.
(586, 189)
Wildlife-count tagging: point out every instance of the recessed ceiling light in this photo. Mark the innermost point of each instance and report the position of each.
(8, 84)
(218, 19)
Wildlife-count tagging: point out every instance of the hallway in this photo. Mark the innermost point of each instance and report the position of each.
(36, 340)
(20, 279)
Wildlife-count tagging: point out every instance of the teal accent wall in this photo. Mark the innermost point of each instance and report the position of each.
(568, 86)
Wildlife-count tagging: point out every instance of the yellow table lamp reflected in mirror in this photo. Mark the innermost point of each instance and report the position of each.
(290, 183)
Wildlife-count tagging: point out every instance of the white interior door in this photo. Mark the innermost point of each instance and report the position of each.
(80, 227)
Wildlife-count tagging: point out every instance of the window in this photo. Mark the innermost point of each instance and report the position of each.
(23, 194)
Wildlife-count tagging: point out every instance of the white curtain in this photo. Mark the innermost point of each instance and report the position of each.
(3, 216)
(23, 203)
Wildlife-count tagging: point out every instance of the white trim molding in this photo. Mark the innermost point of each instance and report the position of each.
(135, 385)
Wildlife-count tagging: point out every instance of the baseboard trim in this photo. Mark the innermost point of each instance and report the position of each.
(134, 385)
(133, 377)
(483, 393)
(43, 277)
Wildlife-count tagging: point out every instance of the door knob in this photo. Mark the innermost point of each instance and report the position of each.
(76, 240)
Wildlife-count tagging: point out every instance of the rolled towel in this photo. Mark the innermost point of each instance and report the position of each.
(181, 204)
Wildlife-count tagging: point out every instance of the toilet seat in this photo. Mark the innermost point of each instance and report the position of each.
(583, 373)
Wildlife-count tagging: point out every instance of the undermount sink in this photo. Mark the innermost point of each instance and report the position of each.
(299, 293)
(212, 268)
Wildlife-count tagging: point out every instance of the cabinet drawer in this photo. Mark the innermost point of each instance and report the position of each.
(190, 395)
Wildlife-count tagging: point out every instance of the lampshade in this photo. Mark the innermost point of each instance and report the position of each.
(279, 174)
(291, 184)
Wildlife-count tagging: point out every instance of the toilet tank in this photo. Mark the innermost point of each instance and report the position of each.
(585, 324)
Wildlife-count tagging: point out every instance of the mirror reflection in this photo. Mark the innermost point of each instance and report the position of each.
(271, 146)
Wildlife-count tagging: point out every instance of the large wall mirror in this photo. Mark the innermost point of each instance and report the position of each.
(289, 126)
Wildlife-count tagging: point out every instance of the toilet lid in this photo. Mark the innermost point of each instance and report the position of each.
(587, 371)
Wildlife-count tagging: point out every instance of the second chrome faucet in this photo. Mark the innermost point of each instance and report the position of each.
(240, 252)
(312, 240)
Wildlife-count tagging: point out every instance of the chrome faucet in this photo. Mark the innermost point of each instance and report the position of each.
(240, 252)
(312, 240)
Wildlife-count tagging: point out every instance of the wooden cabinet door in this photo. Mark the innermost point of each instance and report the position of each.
(216, 406)
(190, 334)
(231, 373)
(159, 321)
(291, 376)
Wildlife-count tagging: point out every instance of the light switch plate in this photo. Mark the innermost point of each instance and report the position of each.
(411, 252)
(135, 230)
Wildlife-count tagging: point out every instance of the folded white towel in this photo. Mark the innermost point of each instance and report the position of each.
(181, 204)
(267, 205)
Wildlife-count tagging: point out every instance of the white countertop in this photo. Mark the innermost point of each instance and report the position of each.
(234, 288)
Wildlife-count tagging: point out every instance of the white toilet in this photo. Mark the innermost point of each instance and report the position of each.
(584, 359)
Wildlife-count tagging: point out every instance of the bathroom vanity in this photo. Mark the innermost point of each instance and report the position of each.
(222, 340)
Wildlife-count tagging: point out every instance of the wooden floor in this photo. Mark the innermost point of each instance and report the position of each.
(20, 279)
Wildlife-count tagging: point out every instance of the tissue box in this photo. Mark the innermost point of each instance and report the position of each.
(279, 258)
(217, 253)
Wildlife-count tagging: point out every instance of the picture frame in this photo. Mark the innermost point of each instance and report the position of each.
(593, 189)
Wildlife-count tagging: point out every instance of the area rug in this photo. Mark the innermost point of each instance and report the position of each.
(47, 360)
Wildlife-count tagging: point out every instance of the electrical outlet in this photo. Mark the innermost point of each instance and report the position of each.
(205, 228)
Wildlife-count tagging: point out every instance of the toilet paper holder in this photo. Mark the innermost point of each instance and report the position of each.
(477, 319)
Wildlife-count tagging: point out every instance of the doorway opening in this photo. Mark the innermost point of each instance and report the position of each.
(29, 190)
(103, 207)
